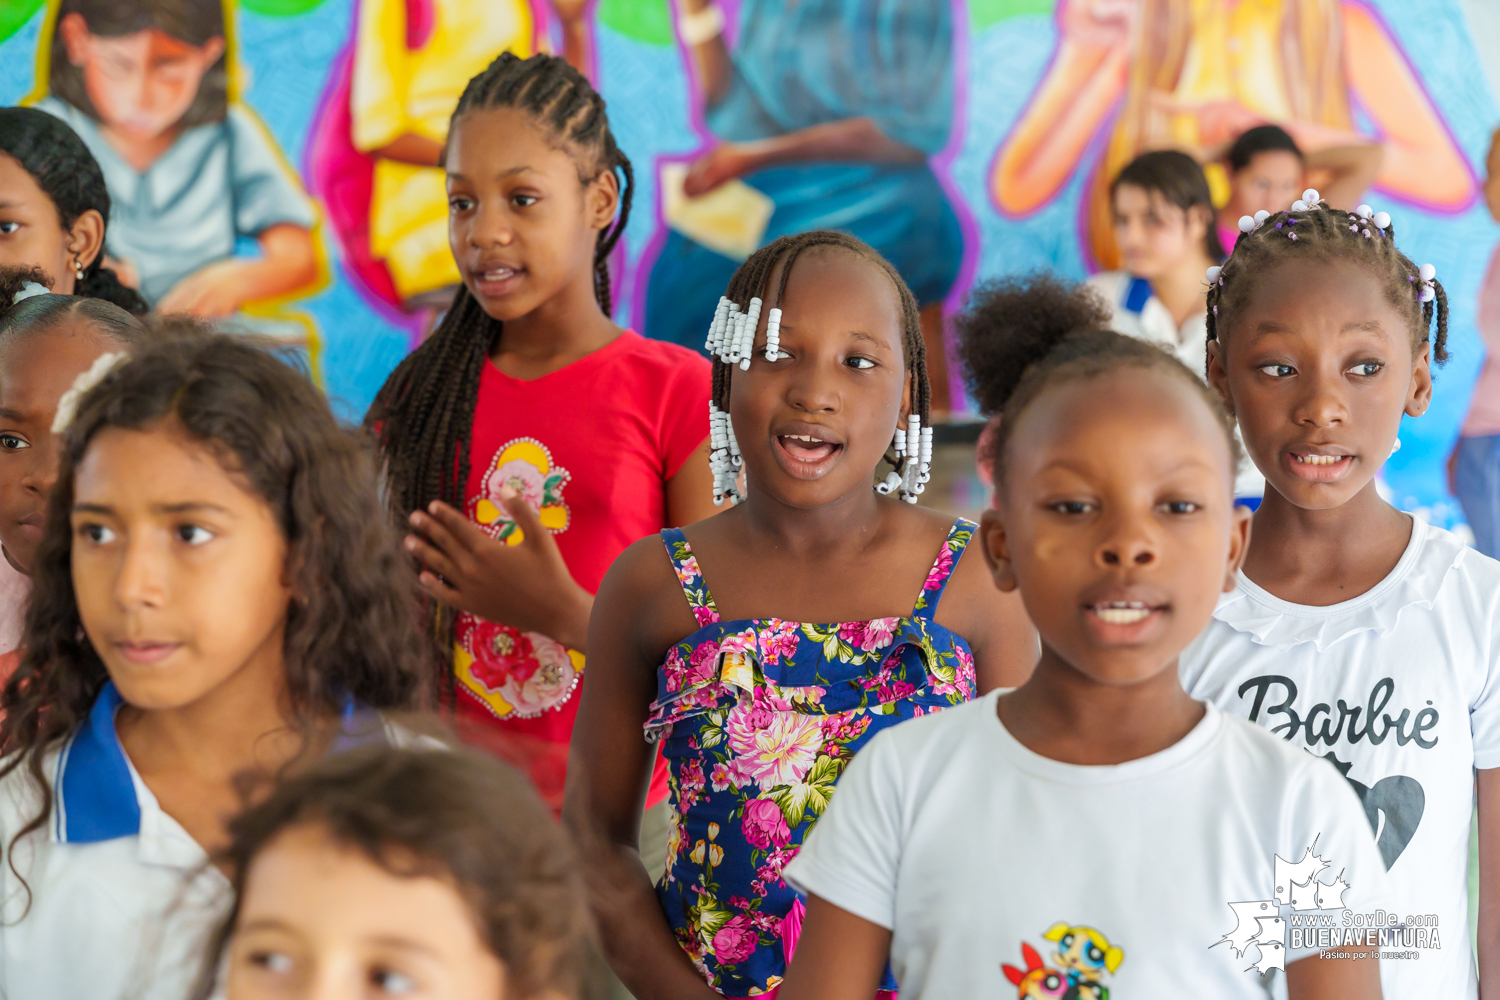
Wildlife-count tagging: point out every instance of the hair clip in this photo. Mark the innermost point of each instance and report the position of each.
(1428, 275)
(1212, 274)
(28, 289)
(67, 406)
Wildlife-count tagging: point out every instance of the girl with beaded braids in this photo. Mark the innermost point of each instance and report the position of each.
(530, 439)
(1356, 631)
(759, 705)
(56, 208)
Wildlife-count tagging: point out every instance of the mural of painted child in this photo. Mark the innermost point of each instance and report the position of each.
(1193, 74)
(149, 85)
(830, 109)
(375, 150)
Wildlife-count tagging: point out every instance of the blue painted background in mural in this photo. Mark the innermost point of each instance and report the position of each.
(1007, 44)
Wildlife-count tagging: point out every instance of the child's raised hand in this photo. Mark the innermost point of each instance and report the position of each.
(526, 585)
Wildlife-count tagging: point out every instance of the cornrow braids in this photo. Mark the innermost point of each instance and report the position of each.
(423, 415)
(1313, 230)
(749, 282)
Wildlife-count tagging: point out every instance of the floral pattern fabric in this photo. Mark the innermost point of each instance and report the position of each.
(757, 719)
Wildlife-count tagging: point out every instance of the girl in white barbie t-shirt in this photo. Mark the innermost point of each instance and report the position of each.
(1356, 632)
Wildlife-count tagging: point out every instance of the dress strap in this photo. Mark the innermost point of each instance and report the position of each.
(690, 577)
(952, 551)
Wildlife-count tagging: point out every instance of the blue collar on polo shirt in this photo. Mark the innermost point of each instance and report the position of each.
(96, 798)
(1137, 293)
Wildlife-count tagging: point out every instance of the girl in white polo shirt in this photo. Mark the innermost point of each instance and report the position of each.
(217, 592)
(1356, 632)
(1095, 832)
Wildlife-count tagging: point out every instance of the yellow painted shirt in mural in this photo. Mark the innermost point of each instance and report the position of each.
(400, 88)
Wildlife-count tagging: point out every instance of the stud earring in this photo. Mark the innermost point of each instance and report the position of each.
(78, 268)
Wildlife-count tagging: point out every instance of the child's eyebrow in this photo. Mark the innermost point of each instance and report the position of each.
(6, 413)
(1354, 326)
(188, 507)
(856, 334)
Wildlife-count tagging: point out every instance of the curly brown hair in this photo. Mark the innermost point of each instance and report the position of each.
(352, 631)
(458, 815)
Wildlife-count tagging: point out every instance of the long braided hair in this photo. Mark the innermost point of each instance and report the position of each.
(423, 416)
(751, 279)
(1321, 232)
(65, 170)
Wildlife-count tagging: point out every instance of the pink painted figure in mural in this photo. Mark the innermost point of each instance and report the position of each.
(374, 155)
(1175, 73)
(148, 85)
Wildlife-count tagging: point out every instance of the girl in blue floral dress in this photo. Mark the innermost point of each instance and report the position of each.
(758, 709)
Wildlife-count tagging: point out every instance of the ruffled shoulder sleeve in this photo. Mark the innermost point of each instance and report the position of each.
(1430, 558)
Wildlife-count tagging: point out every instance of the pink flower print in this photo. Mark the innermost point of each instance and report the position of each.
(705, 616)
(735, 941)
(739, 902)
(764, 825)
(896, 691)
(780, 752)
(521, 476)
(791, 929)
(675, 669)
(688, 572)
(845, 727)
(758, 888)
(702, 663)
(690, 784)
(883, 677)
(725, 775)
(870, 635)
(940, 570)
(968, 681)
(779, 641)
(739, 642)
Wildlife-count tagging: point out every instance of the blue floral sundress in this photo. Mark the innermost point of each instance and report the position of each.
(757, 718)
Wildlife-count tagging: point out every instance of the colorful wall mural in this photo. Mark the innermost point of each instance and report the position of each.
(274, 161)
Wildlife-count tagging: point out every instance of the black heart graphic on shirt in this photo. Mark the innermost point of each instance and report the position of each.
(1402, 801)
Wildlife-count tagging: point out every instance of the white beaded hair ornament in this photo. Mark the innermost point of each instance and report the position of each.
(731, 339)
(28, 290)
(67, 406)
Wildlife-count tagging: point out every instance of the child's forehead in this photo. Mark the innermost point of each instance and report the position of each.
(1326, 295)
(1136, 415)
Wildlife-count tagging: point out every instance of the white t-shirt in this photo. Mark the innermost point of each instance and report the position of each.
(1421, 653)
(122, 900)
(979, 854)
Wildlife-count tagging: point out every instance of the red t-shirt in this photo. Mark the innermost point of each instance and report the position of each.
(591, 447)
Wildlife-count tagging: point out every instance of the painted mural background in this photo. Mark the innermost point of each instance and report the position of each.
(325, 87)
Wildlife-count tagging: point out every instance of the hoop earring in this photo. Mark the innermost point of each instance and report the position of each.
(913, 448)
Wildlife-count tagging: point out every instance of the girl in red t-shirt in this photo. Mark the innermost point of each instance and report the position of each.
(530, 440)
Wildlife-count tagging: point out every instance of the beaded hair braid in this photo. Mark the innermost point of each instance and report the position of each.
(1312, 230)
(750, 282)
(424, 414)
